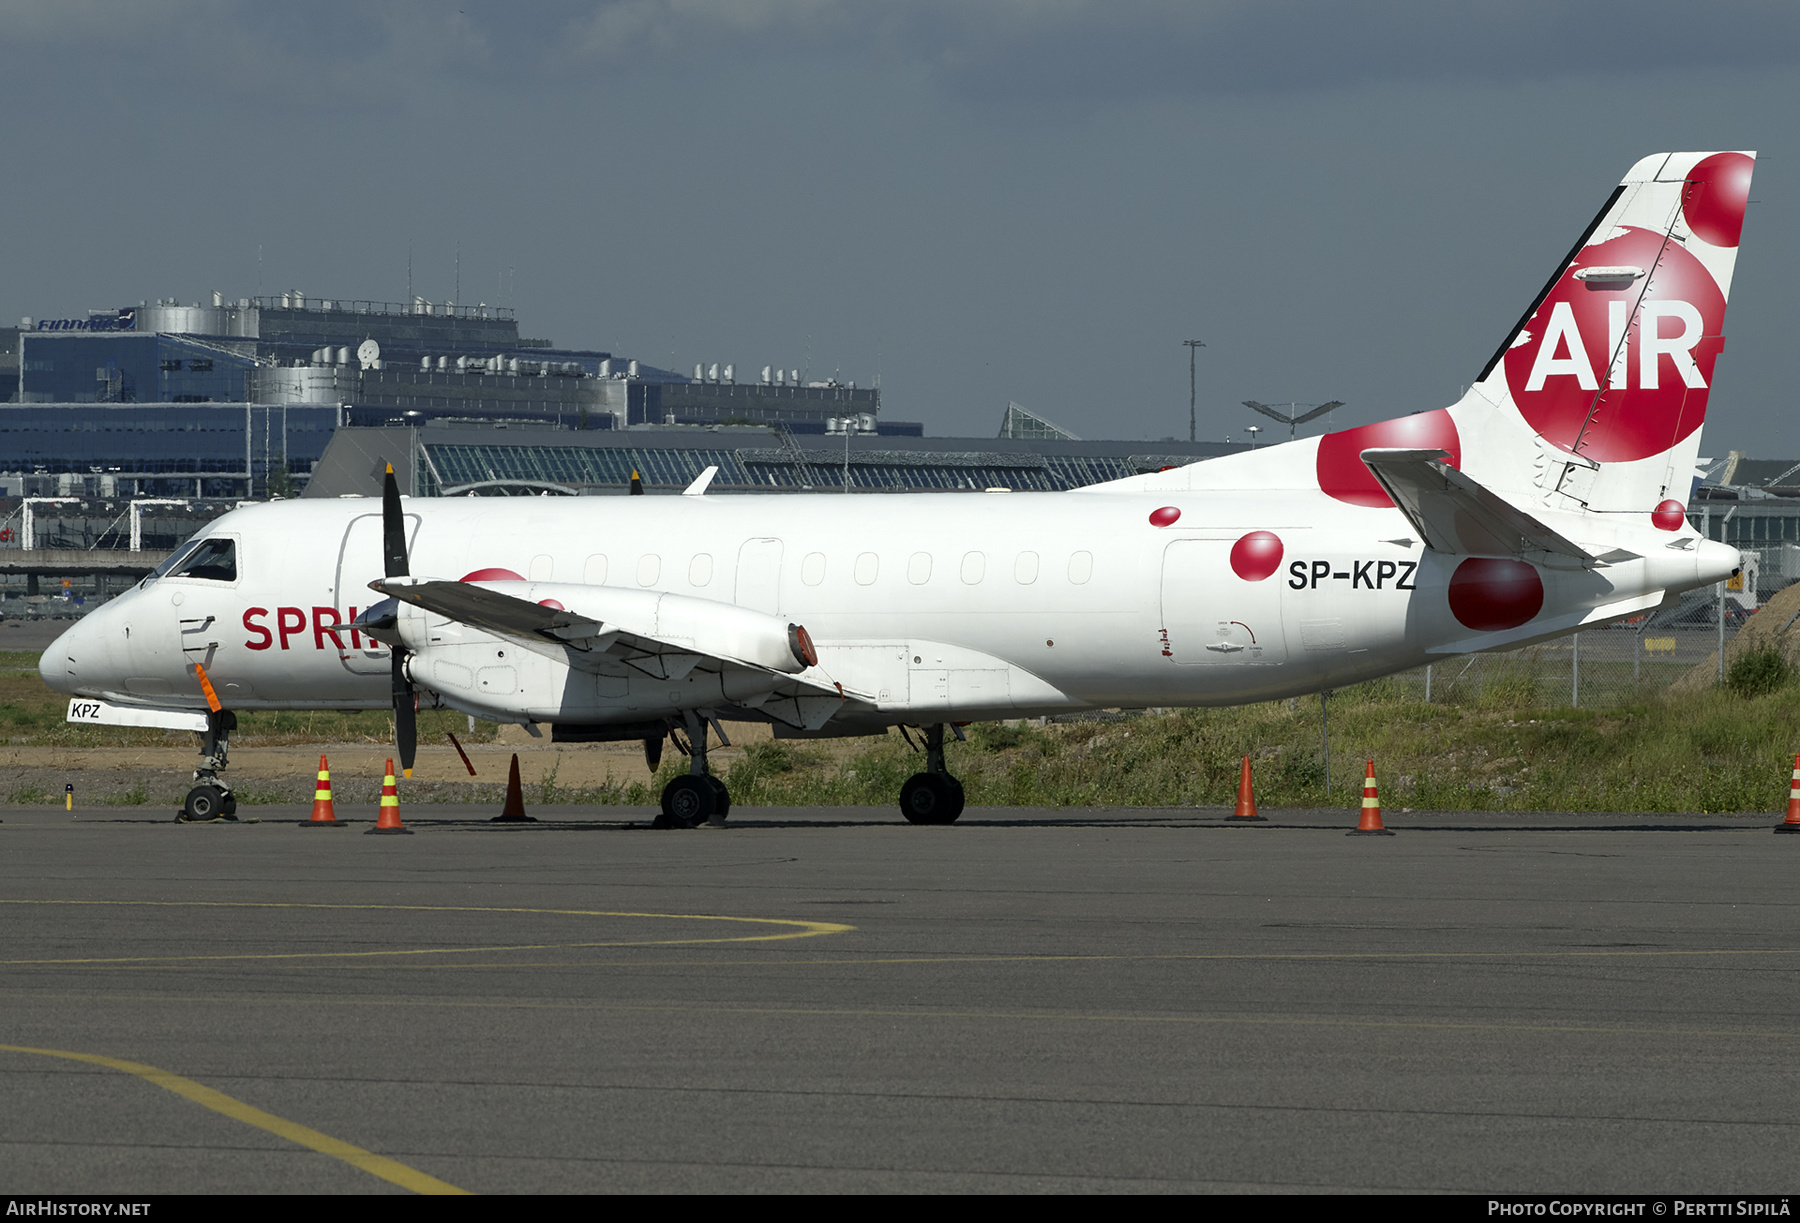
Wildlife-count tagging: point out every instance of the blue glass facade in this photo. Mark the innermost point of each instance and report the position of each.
(165, 449)
(77, 367)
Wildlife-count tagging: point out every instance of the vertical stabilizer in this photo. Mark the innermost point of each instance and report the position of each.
(1596, 399)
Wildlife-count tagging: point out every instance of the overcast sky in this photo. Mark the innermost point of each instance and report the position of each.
(973, 200)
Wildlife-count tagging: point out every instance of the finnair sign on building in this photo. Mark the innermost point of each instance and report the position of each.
(122, 320)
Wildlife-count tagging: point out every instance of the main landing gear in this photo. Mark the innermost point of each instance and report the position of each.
(932, 797)
(699, 797)
(211, 799)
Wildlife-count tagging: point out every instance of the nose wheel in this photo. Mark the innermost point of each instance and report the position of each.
(206, 803)
(211, 799)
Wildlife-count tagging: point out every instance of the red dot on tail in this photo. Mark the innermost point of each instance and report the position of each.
(1718, 189)
(492, 575)
(1343, 474)
(1164, 517)
(1256, 555)
(1488, 594)
(551, 603)
(1669, 516)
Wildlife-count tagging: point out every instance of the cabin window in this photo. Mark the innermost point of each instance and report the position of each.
(700, 569)
(918, 569)
(868, 565)
(1025, 569)
(649, 569)
(594, 573)
(1081, 567)
(542, 567)
(812, 569)
(974, 568)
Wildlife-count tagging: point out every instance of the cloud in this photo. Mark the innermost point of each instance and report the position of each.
(1028, 52)
(1062, 50)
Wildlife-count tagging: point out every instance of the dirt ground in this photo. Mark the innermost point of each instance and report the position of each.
(132, 776)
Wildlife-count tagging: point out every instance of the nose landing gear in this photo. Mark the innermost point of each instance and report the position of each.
(211, 799)
(932, 797)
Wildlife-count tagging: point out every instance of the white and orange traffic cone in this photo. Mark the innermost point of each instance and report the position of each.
(324, 814)
(1246, 801)
(1792, 822)
(1370, 824)
(389, 820)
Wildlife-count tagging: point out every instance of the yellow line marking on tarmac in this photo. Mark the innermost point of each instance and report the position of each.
(387, 1169)
(804, 929)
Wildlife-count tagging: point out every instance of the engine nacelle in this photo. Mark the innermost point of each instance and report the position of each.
(705, 626)
(484, 673)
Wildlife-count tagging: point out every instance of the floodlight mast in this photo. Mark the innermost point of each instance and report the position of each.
(1293, 417)
(1191, 346)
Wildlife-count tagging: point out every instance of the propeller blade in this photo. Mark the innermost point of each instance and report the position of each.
(393, 528)
(406, 717)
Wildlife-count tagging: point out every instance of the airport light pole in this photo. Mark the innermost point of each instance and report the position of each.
(1191, 346)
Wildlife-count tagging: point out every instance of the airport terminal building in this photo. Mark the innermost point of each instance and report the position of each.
(216, 400)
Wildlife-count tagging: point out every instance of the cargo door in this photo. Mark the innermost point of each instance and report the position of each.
(1211, 616)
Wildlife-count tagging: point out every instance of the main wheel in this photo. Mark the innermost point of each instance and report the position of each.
(687, 802)
(721, 797)
(931, 798)
(205, 803)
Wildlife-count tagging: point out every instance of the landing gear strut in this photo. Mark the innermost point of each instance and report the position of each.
(932, 797)
(699, 797)
(211, 799)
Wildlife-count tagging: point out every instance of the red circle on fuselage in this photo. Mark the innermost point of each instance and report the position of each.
(1256, 555)
(1165, 517)
(492, 575)
(1488, 594)
(1669, 516)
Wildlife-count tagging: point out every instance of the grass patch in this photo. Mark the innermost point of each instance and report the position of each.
(1511, 743)
(1715, 752)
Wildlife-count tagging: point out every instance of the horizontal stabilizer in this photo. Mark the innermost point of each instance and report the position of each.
(1453, 514)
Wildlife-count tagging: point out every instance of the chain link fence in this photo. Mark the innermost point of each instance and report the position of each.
(1615, 665)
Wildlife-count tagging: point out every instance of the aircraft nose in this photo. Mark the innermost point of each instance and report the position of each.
(53, 666)
(82, 656)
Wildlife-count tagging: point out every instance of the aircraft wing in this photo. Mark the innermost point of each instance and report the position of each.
(607, 648)
(1454, 514)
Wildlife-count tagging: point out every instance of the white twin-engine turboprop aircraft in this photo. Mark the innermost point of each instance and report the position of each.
(1552, 496)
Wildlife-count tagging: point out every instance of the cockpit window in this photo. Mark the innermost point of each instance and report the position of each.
(212, 560)
(175, 558)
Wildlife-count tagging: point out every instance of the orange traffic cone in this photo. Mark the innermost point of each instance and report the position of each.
(389, 820)
(1792, 822)
(514, 811)
(1246, 804)
(324, 814)
(1370, 824)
